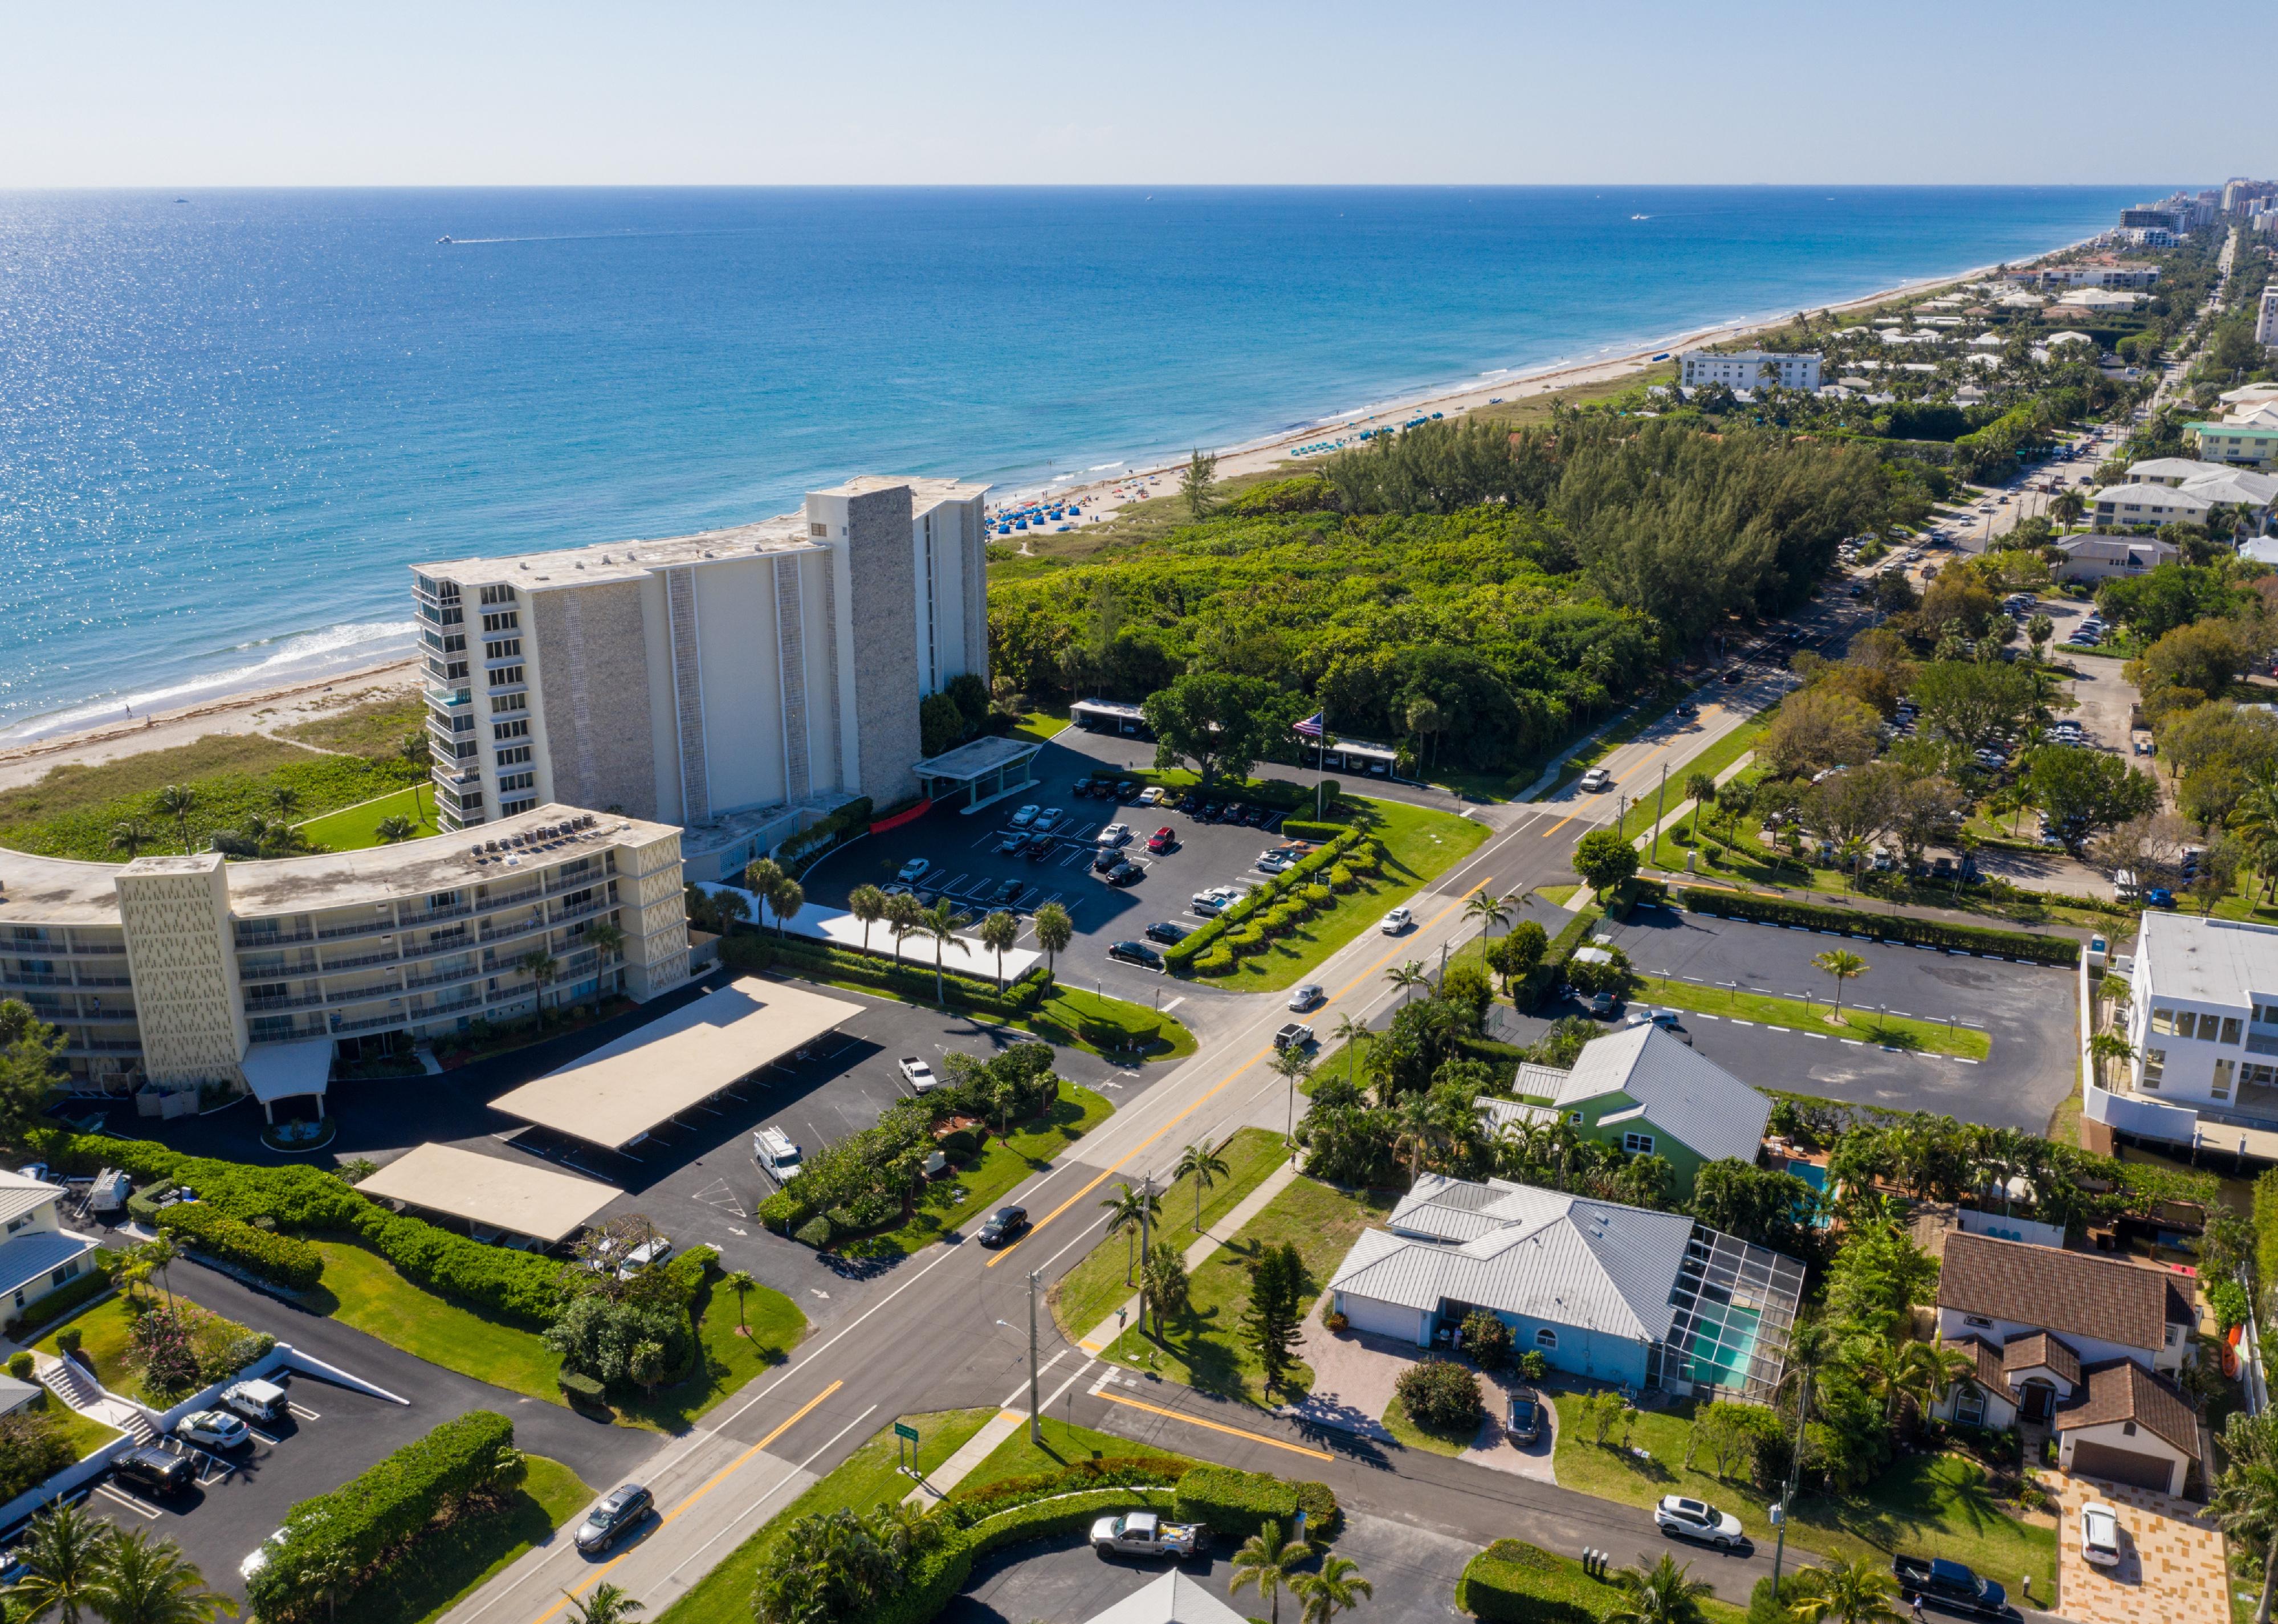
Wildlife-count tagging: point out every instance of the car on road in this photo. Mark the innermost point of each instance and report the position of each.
(211, 1430)
(254, 1399)
(1595, 780)
(912, 871)
(1025, 816)
(1049, 820)
(154, 1471)
(1305, 997)
(1683, 1518)
(1522, 1422)
(1008, 894)
(1949, 1586)
(1686, 709)
(618, 1514)
(1296, 1034)
(1162, 839)
(1115, 834)
(919, 1075)
(1005, 1223)
(2100, 1534)
(1396, 921)
(777, 1156)
(1169, 934)
(1666, 1020)
(1734, 674)
(1144, 1533)
(1125, 872)
(1215, 901)
(1136, 953)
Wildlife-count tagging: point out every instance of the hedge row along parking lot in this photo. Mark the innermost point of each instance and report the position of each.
(1885, 927)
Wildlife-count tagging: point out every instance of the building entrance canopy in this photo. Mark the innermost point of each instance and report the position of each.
(984, 770)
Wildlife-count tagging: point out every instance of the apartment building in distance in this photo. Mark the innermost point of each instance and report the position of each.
(188, 971)
(2265, 319)
(1746, 369)
(771, 667)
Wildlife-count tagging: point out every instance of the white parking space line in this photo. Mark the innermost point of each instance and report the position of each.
(141, 1508)
(302, 1410)
(263, 1437)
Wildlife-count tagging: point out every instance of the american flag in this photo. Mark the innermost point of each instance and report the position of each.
(1313, 725)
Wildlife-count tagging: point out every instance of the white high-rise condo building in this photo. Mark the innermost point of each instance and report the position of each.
(1746, 369)
(772, 666)
(2266, 323)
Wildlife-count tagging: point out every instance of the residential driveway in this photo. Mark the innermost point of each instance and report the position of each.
(2171, 1567)
(1354, 1374)
(1495, 1449)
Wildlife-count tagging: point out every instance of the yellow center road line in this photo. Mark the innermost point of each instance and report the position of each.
(1218, 1426)
(1562, 823)
(709, 1483)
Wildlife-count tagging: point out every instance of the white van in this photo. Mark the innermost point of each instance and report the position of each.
(777, 1156)
(2123, 882)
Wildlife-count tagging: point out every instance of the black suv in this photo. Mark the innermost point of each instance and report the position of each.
(1136, 953)
(1108, 857)
(1169, 935)
(1081, 789)
(1009, 893)
(155, 1470)
(610, 1521)
(1125, 873)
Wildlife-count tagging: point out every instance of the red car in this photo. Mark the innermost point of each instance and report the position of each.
(1162, 839)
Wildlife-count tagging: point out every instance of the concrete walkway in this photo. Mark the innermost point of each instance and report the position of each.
(933, 1489)
(1103, 1334)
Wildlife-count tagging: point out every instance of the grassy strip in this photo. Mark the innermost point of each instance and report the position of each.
(1203, 1349)
(772, 1326)
(1934, 1505)
(106, 1344)
(363, 1289)
(868, 1478)
(1095, 1287)
(1712, 761)
(83, 1433)
(1863, 1026)
(1032, 1149)
(453, 1562)
(375, 729)
(1556, 1586)
(1067, 1012)
(352, 828)
(1413, 1434)
(1040, 725)
(1064, 1445)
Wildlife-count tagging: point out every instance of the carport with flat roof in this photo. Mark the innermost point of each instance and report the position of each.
(617, 1094)
(490, 1192)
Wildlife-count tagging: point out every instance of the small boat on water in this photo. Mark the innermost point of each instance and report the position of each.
(1641, 217)
(442, 239)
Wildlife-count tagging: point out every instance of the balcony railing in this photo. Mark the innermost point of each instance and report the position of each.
(520, 928)
(104, 980)
(290, 1000)
(376, 926)
(254, 941)
(332, 964)
(98, 946)
(444, 978)
(26, 978)
(599, 904)
(512, 899)
(369, 1023)
(473, 1000)
(437, 916)
(363, 995)
(103, 1046)
(450, 699)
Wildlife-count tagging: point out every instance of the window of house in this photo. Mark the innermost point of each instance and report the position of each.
(15, 1224)
(1637, 1144)
(506, 675)
(2155, 1063)
(498, 594)
(814, 529)
(2232, 1026)
(508, 702)
(1970, 1411)
(1575, 1117)
(1546, 1338)
(2128, 1428)
(2186, 1024)
(1978, 1320)
(2163, 1022)
(2220, 1087)
(518, 729)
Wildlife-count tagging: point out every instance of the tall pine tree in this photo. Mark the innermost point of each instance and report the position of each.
(1272, 1324)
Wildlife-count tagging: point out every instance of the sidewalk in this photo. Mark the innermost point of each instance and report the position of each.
(1103, 1334)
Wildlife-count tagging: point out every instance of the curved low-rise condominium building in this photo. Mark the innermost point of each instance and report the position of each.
(189, 971)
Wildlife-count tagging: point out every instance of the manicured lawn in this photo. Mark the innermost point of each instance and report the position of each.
(1861, 1025)
(1203, 1349)
(1064, 1444)
(1075, 1018)
(448, 1564)
(728, 1359)
(83, 1433)
(1934, 1505)
(105, 1342)
(1033, 1147)
(1415, 1434)
(868, 1478)
(354, 827)
(1037, 726)
(1094, 1288)
(1562, 1582)
(363, 1289)
(1419, 844)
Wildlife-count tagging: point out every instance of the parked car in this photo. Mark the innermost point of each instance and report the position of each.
(1083, 788)
(912, 871)
(1152, 796)
(1257, 817)
(1296, 1034)
(1595, 780)
(2159, 896)
(1666, 1019)
(1522, 1422)
(1169, 934)
(1125, 872)
(1115, 834)
(1273, 863)
(1004, 1225)
(1949, 1586)
(1603, 1005)
(1105, 859)
(1008, 894)
(1014, 839)
(154, 1471)
(1681, 1518)
(647, 1255)
(1305, 997)
(1162, 839)
(1049, 820)
(1396, 921)
(2100, 1534)
(1040, 847)
(777, 1156)
(1137, 953)
(1126, 791)
(254, 1399)
(617, 1514)
(1144, 1533)
(211, 1430)
(919, 1075)
(1025, 816)
(1215, 901)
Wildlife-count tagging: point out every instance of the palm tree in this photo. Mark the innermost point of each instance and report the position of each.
(1489, 910)
(542, 968)
(868, 903)
(608, 1604)
(418, 753)
(2245, 1502)
(784, 898)
(391, 830)
(1054, 931)
(1417, 1130)
(1127, 1212)
(1334, 1588)
(1703, 791)
(1408, 976)
(1289, 1065)
(2110, 1047)
(1204, 1164)
(147, 1581)
(740, 1283)
(1925, 1372)
(998, 932)
(1856, 1592)
(285, 799)
(903, 912)
(606, 937)
(940, 923)
(1267, 1563)
(62, 1555)
(1843, 964)
(177, 801)
(1662, 1594)
(2067, 507)
(761, 876)
(130, 836)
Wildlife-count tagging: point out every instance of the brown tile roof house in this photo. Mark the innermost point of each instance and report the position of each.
(2041, 1351)
(2069, 1292)
(2121, 1389)
(1989, 1374)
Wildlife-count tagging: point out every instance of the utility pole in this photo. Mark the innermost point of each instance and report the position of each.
(1146, 1205)
(1036, 1417)
(1660, 802)
(1794, 1471)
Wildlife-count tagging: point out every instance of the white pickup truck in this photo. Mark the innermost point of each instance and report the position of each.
(1143, 1533)
(919, 1075)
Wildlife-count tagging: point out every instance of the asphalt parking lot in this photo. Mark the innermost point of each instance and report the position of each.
(970, 868)
(1414, 1572)
(334, 1432)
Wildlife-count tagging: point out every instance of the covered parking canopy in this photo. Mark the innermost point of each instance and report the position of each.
(516, 1197)
(616, 1094)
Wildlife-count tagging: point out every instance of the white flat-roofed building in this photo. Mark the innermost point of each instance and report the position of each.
(2203, 1015)
(779, 664)
(1747, 369)
(189, 970)
(2265, 321)
(2099, 558)
(2147, 504)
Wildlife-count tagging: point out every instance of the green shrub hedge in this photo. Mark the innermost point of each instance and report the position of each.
(1225, 929)
(1885, 927)
(279, 1258)
(519, 1286)
(375, 1514)
(1513, 1582)
(1234, 1503)
(1304, 828)
(848, 822)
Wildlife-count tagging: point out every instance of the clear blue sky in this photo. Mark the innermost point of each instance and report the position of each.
(229, 92)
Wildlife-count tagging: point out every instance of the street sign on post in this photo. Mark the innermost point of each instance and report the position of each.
(902, 1429)
(905, 1451)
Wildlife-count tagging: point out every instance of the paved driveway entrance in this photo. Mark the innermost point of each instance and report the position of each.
(2171, 1565)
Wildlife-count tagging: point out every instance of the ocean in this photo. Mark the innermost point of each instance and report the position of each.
(229, 419)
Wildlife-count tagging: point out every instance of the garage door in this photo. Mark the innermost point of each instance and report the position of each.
(2122, 1466)
(1384, 1319)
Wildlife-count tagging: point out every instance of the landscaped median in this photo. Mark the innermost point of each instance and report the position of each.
(1514, 1582)
(1861, 1025)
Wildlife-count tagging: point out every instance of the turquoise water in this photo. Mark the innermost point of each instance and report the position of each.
(227, 422)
